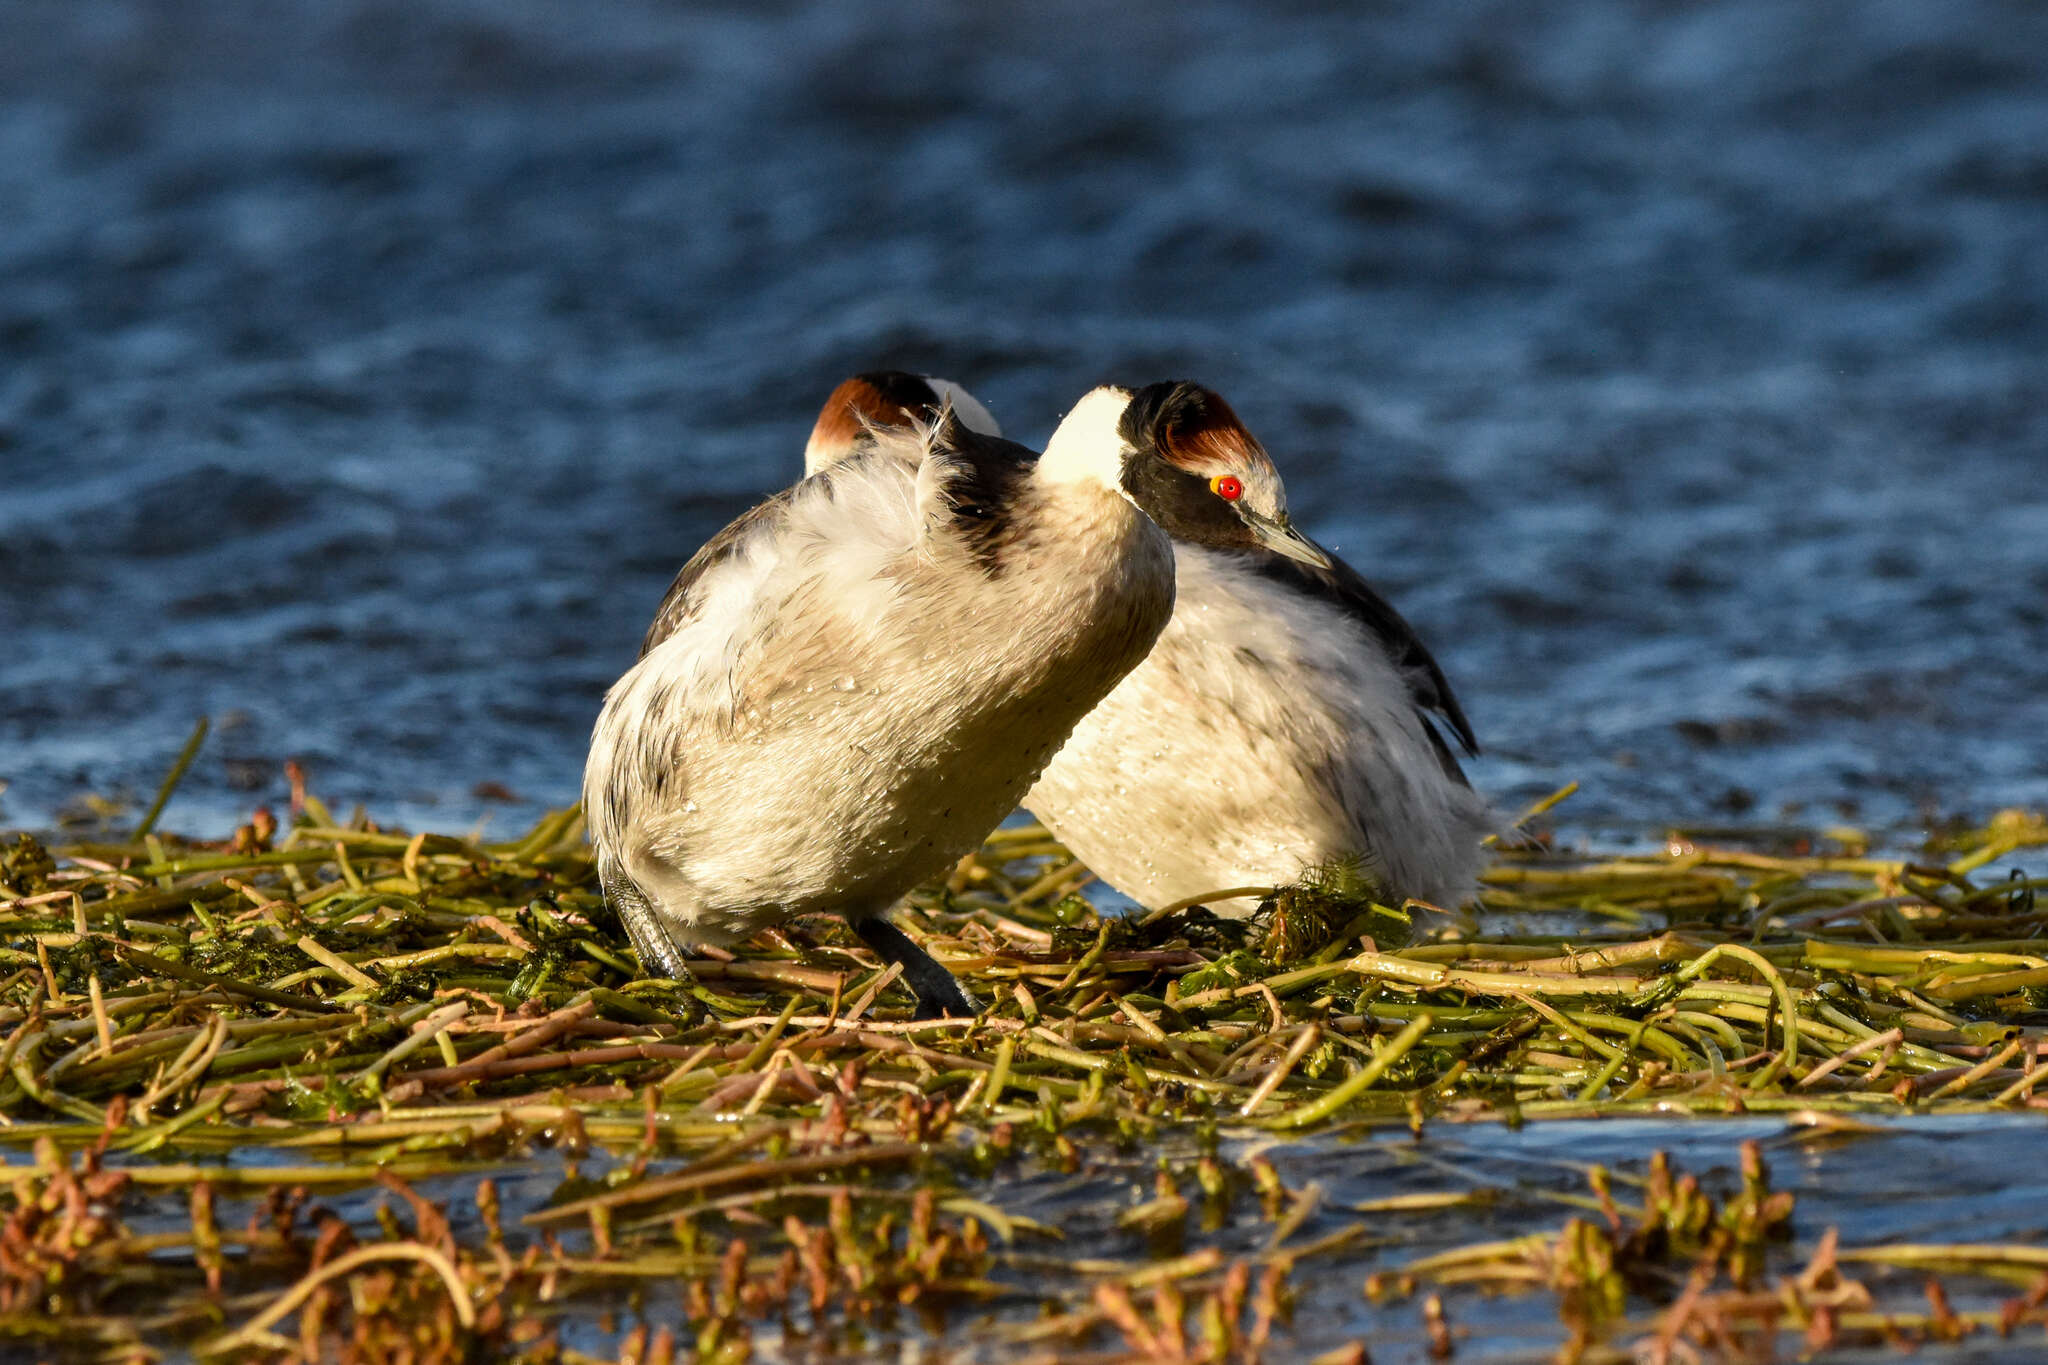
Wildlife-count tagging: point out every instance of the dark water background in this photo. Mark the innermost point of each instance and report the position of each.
(366, 368)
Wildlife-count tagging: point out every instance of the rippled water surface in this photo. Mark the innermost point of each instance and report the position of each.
(1682, 370)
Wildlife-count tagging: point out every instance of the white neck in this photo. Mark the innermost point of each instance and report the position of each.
(1086, 448)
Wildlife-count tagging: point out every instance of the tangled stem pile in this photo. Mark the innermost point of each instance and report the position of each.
(273, 1097)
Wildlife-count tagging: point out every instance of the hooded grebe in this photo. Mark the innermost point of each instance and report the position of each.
(1287, 718)
(849, 686)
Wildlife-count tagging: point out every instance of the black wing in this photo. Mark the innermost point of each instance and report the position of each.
(1431, 692)
(676, 607)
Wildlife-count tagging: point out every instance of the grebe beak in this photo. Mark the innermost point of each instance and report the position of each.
(1279, 536)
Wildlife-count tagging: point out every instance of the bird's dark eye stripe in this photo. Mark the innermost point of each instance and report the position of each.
(1185, 505)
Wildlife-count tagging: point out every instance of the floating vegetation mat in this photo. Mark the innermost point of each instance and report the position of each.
(329, 1091)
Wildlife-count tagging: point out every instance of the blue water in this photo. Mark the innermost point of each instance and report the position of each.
(367, 367)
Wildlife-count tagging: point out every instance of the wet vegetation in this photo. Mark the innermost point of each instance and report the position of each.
(325, 1090)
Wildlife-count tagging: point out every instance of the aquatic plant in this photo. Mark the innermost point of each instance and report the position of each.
(288, 1083)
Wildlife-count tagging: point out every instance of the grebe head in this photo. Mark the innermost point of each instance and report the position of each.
(884, 399)
(1179, 452)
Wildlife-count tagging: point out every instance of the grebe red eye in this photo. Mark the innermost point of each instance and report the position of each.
(1227, 488)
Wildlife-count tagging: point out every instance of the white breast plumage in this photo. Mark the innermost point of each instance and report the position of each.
(1265, 734)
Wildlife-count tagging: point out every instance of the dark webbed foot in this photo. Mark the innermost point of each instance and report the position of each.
(660, 955)
(938, 995)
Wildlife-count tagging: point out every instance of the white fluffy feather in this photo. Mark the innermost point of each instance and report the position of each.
(1266, 733)
(853, 701)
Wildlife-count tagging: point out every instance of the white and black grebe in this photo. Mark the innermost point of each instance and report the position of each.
(1287, 718)
(851, 685)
